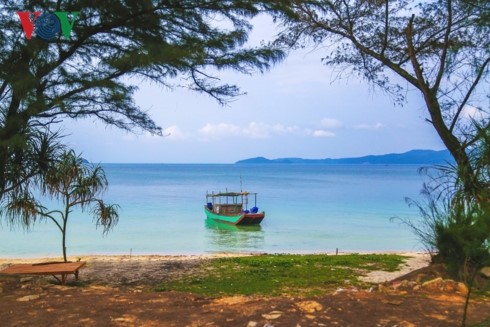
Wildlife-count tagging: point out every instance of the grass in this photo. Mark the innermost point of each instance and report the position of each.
(485, 323)
(278, 274)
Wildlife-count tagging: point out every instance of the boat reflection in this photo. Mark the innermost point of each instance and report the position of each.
(224, 237)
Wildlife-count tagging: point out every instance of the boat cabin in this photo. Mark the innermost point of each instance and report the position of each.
(231, 203)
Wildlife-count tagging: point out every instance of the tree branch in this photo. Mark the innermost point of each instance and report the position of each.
(385, 40)
(468, 94)
(421, 83)
(48, 215)
(442, 63)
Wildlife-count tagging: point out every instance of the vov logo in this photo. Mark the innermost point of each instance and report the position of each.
(47, 26)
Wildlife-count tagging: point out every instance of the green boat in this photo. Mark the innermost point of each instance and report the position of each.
(232, 208)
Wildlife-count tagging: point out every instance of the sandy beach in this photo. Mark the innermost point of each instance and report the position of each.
(149, 269)
(120, 291)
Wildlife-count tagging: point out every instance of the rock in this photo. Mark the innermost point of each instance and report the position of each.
(126, 319)
(272, 315)
(383, 288)
(433, 284)
(485, 272)
(405, 323)
(402, 284)
(449, 285)
(25, 279)
(28, 298)
(462, 288)
(252, 324)
(61, 287)
(311, 317)
(339, 290)
(416, 287)
(231, 300)
(412, 283)
(392, 302)
(309, 306)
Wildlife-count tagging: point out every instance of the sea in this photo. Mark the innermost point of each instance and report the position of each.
(309, 209)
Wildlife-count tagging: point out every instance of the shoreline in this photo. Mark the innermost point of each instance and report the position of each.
(147, 269)
(122, 264)
(150, 257)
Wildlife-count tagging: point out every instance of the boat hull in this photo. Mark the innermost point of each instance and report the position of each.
(240, 220)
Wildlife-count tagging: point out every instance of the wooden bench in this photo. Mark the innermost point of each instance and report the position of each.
(46, 268)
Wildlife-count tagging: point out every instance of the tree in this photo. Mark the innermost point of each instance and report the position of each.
(440, 48)
(89, 71)
(75, 183)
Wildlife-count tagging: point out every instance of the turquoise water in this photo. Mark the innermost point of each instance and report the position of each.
(308, 209)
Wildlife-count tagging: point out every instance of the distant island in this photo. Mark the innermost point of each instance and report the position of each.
(414, 157)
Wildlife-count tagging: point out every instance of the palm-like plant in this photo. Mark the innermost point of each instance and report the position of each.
(74, 183)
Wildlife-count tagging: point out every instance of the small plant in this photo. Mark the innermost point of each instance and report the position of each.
(75, 183)
(456, 214)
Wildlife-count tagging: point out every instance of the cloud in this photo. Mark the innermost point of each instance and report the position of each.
(221, 129)
(322, 133)
(325, 128)
(370, 127)
(255, 130)
(331, 123)
(473, 113)
(261, 130)
(264, 130)
(174, 133)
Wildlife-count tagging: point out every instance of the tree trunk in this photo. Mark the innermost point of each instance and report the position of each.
(64, 241)
(453, 144)
(10, 128)
(65, 221)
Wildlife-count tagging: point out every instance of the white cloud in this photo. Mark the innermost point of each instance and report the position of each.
(473, 113)
(371, 127)
(256, 130)
(264, 130)
(221, 129)
(326, 126)
(279, 128)
(174, 133)
(143, 137)
(322, 133)
(331, 123)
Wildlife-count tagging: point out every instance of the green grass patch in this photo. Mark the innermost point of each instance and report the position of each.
(485, 323)
(278, 274)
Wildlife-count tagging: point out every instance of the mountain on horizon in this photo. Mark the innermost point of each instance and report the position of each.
(426, 157)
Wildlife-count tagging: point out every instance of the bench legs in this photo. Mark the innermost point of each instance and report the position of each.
(62, 281)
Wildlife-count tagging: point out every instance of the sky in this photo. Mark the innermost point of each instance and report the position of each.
(297, 109)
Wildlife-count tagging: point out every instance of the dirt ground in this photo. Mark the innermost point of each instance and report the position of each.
(117, 291)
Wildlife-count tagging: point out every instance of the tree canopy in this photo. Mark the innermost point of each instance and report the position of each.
(89, 73)
(439, 48)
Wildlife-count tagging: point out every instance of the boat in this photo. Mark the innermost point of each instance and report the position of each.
(232, 208)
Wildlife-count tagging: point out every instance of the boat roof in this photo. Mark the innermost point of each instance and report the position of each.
(228, 194)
